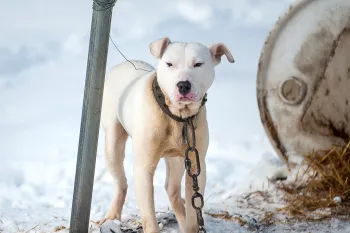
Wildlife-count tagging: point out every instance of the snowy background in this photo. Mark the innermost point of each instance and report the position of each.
(43, 53)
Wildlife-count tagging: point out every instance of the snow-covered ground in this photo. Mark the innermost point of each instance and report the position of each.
(42, 72)
(38, 193)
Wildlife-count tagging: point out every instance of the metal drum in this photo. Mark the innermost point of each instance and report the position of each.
(303, 85)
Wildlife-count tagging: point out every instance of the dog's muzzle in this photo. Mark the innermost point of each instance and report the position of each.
(160, 98)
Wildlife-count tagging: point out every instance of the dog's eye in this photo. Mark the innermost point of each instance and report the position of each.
(198, 64)
(169, 64)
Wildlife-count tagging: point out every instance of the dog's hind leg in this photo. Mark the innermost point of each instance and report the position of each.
(175, 169)
(115, 140)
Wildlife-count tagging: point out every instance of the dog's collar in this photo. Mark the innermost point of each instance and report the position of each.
(160, 98)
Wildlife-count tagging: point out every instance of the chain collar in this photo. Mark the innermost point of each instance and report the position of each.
(192, 123)
(160, 98)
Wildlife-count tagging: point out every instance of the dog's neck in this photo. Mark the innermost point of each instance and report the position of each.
(178, 111)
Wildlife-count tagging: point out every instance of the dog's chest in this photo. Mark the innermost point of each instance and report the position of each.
(174, 143)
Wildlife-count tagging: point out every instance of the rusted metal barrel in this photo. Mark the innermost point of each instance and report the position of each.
(303, 83)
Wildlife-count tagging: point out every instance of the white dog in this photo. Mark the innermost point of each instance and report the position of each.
(185, 71)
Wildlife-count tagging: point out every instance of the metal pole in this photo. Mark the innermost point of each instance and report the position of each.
(90, 120)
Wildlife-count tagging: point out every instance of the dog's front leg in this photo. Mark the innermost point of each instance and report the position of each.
(191, 215)
(143, 174)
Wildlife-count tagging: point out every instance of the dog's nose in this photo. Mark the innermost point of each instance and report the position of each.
(184, 87)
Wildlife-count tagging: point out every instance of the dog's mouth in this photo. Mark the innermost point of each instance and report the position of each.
(186, 99)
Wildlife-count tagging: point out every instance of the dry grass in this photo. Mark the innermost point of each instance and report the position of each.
(233, 218)
(328, 176)
(59, 228)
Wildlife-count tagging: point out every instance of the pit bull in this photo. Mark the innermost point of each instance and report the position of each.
(184, 73)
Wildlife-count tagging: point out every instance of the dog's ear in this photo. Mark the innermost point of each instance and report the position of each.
(219, 49)
(158, 47)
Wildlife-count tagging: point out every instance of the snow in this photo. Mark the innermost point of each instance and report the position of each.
(40, 192)
(37, 194)
(42, 78)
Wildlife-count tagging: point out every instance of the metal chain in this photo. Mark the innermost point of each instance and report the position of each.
(194, 176)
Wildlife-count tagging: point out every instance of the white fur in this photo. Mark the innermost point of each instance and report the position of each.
(122, 97)
(183, 57)
(129, 109)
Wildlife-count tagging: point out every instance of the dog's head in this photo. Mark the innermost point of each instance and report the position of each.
(185, 71)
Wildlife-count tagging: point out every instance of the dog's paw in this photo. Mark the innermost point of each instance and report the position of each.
(108, 225)
(104, 220)
(191, 229)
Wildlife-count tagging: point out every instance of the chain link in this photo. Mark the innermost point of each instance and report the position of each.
(188, 165)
